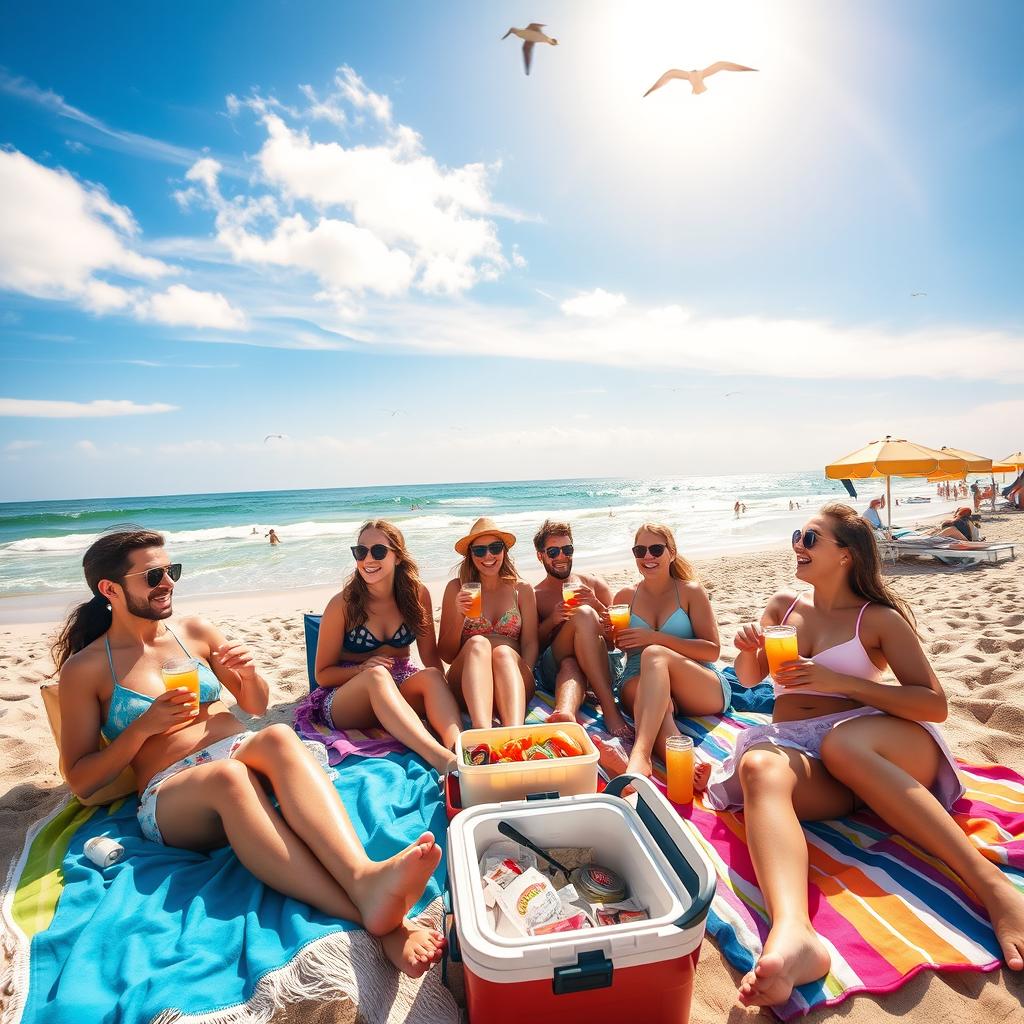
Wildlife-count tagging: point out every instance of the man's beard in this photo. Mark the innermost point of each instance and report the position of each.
(559, 574)
(143, 609)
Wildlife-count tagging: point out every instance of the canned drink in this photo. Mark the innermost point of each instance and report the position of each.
(103, 851)
(598, 884)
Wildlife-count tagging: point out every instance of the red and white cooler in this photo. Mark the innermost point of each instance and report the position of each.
(595, 974)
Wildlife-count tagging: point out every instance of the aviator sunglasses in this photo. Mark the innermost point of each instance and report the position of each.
(657, 550)
(155, 576)
(565, 549)
(811, 537)
(495, 548)
(379, 552)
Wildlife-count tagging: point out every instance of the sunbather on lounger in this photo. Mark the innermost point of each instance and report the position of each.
(843, 737)
(203, 779)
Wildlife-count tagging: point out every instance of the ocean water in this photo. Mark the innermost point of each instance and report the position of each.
(220, 538)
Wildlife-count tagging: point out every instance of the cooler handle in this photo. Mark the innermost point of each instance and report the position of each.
(551, 795)
(591, 970)
(702, 893)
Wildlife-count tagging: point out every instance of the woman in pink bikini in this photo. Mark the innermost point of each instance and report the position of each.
(843, 737)
(491, 654)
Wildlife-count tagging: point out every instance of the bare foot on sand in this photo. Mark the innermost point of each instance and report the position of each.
(561, 716)
(793, 955)
(386, 890)
(1005, 906)
(413, 950)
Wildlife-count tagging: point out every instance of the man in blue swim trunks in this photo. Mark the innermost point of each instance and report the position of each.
(573, 637)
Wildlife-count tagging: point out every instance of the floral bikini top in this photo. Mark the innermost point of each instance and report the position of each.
(510, 624)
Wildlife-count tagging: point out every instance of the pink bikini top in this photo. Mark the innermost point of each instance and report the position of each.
(850, 658)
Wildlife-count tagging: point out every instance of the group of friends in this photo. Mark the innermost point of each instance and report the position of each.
(854, 724)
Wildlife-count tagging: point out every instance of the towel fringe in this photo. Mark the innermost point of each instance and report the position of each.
(348, 966)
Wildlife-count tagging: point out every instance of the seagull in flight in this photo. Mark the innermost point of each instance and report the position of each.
(280, 437)
(729, 394)
(695, 77)
(917, 295)
(530, 35)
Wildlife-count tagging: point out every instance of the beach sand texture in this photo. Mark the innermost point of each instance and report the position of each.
(971, 621)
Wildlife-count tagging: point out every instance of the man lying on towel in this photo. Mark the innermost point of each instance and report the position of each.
(203, 778)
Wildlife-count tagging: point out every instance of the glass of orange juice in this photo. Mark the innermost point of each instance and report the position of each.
(780, 646)
(618, 615)
(679, 769)
(476, 605)
(569, 588)
(182, 672)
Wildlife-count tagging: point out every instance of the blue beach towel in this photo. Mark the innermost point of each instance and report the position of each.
(168, 930)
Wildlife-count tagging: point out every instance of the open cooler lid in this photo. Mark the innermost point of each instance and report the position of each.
(674, 932)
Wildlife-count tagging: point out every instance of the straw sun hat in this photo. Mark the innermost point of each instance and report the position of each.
(480, 527)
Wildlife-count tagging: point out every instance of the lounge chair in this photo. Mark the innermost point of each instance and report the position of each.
(947, 550)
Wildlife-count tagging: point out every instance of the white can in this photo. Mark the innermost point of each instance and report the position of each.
(103, 852)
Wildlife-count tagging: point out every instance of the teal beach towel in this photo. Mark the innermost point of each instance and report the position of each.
(167, 931)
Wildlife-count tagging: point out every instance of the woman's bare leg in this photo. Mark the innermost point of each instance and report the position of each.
(371, 697)
(890, 763)
(647, 695)
(472, 679)
(569, 691)
(383, 890)
(513, 684)
(428, 692)
(780, 787)
(694, 687)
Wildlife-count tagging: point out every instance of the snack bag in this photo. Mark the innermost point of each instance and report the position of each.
(530, 901)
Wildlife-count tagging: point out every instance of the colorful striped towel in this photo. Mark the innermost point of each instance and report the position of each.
(886, 909)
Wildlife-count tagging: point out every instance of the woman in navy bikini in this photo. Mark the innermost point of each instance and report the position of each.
(671, 645)
(204, 779)
(363, 671)
(842, 737)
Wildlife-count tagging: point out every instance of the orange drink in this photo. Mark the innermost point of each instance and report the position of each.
(618, 615)
(182, 672)
(679, 769)
(780, 646)
(569, 591)
(476, 606)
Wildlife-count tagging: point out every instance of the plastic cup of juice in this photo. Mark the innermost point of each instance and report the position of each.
(182, 672)
(618, 615)
(476, 606)
(780, 646)
(569, 588)
(679, 769)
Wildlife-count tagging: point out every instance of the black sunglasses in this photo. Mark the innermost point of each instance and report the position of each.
(657, 550)
(155, 576)
(379, 551)
(565, 549)
(811, 537)
(495, 548)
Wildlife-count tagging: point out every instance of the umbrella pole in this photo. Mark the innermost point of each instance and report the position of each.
(888, 500)
(993, 492)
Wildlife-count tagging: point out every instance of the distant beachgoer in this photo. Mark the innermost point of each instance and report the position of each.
(274, 539)
(204, 780)
(671, 646)
(364, 675)
(491, 654)
(842, 739)
(743, 509)
(790, 504)
(976, 494)
(871, 515)
(736, 510)
(254, 530)
(574, 639)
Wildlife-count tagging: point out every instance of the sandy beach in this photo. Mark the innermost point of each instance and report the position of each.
(971, 621)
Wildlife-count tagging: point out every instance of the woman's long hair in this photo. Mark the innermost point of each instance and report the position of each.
(679, 568)
(107, 559)
(407, 584)
(866, 565)
(507, 570)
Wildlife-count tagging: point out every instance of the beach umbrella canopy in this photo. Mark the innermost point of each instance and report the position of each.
(975, 463)
(1003, 467)
(893, 457)
(1015, 461)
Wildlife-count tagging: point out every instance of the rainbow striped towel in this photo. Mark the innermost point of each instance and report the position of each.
(886, 909)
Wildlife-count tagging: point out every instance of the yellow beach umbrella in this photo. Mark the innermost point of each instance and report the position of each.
(1015, 461)
(975, 463)
(893, 457)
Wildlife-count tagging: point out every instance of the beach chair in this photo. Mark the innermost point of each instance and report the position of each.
(946, 551)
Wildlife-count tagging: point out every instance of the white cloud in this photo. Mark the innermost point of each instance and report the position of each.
(55, 410)
(597, 303)
(116, 450)
(56, 234)
(184, 306)
(12, 447)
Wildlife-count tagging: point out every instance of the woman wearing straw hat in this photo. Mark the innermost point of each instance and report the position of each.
(491, 647)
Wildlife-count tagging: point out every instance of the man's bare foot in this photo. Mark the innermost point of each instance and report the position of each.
(793, 955)
(386, 890)
(701, 776)
(617, 725)
(413, 950)
(561, 716)
(612, 756)
(1005, 906)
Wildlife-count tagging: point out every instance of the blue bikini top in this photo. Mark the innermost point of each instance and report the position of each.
(678, 624)
(361, 641)
(127, 705)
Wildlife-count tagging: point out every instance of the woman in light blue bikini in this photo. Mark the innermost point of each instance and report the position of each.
(204, 780)
(671, 645)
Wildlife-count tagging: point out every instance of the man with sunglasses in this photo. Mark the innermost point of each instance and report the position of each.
(573, 641)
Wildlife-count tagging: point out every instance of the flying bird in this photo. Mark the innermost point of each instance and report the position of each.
(695, 77)
(917, 295)
(530, 35)
(280, 437)
(729, 394)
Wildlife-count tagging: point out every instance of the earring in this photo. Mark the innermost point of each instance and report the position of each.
(109, 608)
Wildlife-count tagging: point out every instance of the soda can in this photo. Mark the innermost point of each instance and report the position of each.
(103, 852)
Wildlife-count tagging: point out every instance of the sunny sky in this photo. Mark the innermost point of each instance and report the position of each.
(364, 228)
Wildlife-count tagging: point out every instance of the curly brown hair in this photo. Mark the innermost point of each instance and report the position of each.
(550, 528)
(406, 588)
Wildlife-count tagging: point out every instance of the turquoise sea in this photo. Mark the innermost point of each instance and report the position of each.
(220, 538)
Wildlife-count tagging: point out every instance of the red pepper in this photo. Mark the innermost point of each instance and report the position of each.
(564, 745)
